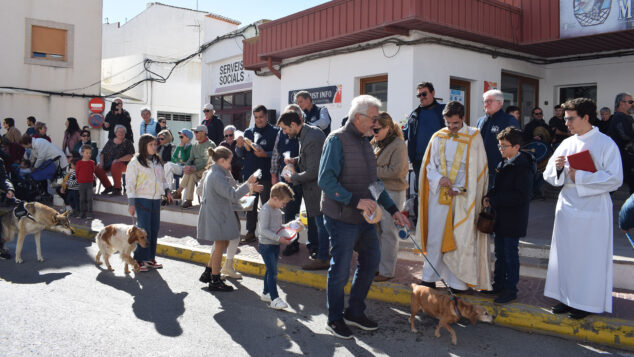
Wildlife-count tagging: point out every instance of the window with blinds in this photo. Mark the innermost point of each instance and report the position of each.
(174, 116)
(48, 43)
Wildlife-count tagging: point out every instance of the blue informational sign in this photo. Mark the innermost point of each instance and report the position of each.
(319, 95)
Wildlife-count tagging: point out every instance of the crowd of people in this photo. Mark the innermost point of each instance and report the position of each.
(353, 182)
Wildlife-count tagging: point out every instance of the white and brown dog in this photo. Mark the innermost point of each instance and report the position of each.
(32, 218)
(441, 306)
(121, 238)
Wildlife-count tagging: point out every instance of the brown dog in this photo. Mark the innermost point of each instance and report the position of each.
(122, 238)
(441, 307)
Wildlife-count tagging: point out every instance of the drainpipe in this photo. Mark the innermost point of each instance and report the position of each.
(269, 64)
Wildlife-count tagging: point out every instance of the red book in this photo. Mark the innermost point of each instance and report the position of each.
(582, 161)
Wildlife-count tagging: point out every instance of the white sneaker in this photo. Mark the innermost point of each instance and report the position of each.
(278, 304)
(265, 297)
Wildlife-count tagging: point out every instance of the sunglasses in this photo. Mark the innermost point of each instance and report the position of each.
(180, 136)
(85, 136)
(162, 139)
(206, 111)
(229, 136)
(628, 101)
(376, 130)
(538, 113)
(423, 94)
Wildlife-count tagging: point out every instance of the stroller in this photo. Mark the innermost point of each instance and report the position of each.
(34, 186)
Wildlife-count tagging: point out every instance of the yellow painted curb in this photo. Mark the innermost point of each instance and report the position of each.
(597, 329)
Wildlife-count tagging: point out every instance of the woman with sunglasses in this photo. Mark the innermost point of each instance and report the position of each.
(165, 147)
(230, 143)
(392, 166)
(85, 140)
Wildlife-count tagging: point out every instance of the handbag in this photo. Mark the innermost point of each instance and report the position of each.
(486, 221)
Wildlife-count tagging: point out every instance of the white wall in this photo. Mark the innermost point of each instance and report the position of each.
(83, 76)
(161, 33)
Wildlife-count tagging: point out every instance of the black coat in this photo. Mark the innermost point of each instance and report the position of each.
(510, 196)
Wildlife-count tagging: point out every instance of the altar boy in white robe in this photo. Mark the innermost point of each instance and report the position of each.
(580, 264)
(453, 181)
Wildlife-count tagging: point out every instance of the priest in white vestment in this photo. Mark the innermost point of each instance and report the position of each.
(580, 264)
(453, 180)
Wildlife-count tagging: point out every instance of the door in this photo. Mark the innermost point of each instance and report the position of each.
(460, 91)
(522, 92)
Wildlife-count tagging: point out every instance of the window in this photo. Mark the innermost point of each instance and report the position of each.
(49, 43)
(377, 87)
(233, 109)
(522, 92)
(175, 116)
(582, 91)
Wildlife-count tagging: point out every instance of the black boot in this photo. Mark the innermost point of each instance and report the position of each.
(218, 285)
(205, 277)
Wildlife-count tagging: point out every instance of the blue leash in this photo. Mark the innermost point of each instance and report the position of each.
(627, 234)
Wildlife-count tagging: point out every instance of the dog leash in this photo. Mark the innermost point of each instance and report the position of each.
(405, 233)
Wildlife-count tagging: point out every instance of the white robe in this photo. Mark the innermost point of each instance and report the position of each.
(580, 264)
(438, 213)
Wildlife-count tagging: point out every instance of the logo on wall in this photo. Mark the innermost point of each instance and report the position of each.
(490, 85)
(591, 12)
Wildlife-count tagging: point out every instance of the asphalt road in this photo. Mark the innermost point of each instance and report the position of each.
(66, 306)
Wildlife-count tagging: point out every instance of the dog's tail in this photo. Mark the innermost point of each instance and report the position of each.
(99, 235)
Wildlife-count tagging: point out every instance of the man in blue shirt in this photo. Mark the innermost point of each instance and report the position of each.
(422, 123)
(491, 124)
(148, 124)
(346, 170)
(314, 115)
(257, 156)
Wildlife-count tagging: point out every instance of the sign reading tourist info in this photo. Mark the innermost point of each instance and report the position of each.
(231, 75)
(319, 95)
(590, 17)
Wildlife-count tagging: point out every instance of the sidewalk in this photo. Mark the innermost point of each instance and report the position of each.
(529, 312)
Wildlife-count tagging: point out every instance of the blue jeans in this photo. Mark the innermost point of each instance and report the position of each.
(344, 238)
(270, 254)
(148, 214)
(507, 264)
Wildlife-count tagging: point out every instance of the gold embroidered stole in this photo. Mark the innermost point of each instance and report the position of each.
(444, 198)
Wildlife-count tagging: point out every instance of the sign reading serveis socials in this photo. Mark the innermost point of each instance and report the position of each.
(231, 73)
(590, 17)
(320, 95)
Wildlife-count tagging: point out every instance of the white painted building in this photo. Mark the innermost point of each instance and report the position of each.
(159, 33)
(49, 45)
(387, 53)
(225, 83)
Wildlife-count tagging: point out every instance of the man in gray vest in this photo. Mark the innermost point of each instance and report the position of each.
(346, 170)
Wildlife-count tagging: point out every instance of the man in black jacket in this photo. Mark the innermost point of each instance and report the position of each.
(117, 116)
(622, 132)
(215, 126)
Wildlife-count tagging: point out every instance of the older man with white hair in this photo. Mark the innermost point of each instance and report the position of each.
(346, 171)
(491, 124)
(148, 124)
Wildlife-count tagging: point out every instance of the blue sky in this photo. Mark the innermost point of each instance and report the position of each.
(245, 11)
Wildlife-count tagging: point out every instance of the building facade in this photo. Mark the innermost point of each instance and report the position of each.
(539, 53)
(50, 47)
(161, 33)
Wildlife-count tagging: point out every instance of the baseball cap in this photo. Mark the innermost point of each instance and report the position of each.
(208, 107)
(188, 133)
(200, 128)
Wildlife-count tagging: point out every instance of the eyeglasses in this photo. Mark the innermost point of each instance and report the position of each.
(229, 136)
(489, 101)
(628, 101)
(422, 94)
(85, 136)
(538, 113)
(502, 147)
(374, 119)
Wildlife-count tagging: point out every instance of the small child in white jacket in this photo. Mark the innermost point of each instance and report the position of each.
(270, 220)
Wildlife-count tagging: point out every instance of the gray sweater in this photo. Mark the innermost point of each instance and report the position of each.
(269, 222)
